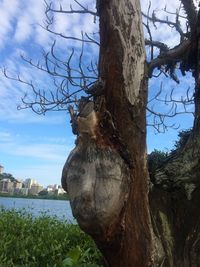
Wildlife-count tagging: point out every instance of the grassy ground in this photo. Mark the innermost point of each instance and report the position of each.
(43, 242)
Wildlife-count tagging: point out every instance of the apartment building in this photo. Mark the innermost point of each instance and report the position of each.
(35, 189)
(1, 169)
(6, 186)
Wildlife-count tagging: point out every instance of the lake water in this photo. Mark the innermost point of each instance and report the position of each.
(59, 208)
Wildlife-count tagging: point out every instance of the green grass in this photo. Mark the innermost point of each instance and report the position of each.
(43, 242)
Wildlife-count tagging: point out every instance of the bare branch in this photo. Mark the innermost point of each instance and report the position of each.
(149, 31)
(160, 121)
(163, 47)
(175, 24)
(88, 40)
(42, 101)
(173, 55)
(70, 78)
(50, 21)
(78, 75)
(83, 10)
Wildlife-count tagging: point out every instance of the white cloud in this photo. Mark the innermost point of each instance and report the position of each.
(28, 21)
(62, 23)
(8, 12)
(19, 23)
(15, 146)
(48, 152)
(23, 28)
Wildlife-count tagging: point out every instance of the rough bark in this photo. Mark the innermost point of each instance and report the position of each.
(122, 66)
(112, 206)
(106, 174)
(175, 195)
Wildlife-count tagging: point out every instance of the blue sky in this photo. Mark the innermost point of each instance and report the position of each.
(33, 146)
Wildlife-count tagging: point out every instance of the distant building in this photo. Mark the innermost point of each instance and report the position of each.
(55, 189)
(1, 169)
(50, 187)
(17, 186)
(35, 189)
(24, 191)
(60, 191)
(56, 186)
(29, 182)
(6, 186)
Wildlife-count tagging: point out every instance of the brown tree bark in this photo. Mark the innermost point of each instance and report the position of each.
(175, 196)
(106, 174)
(124, 234)
(122, 66)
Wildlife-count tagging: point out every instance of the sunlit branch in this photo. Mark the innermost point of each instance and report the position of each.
(83, 10)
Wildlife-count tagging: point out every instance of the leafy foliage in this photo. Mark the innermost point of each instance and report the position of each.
(7, 176)
(182, 139)
(155, 160)
(78, 258)
(43, 242)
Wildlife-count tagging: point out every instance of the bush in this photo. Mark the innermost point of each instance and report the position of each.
(43, 242)
(155, 160)
(183, 137)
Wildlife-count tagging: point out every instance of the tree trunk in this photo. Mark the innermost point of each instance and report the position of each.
(122, 67)
(175, 196)
(112, 206)
(106, 174)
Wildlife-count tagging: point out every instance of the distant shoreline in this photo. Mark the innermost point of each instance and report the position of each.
(61, 197)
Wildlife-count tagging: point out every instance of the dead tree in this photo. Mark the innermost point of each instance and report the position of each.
(132, 222)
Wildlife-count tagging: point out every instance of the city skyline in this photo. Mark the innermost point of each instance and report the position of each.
(28, 178)
(29, 186)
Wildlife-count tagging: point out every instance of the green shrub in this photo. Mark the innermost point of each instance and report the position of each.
(183, 137)
(43, 242)
(155, 160)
